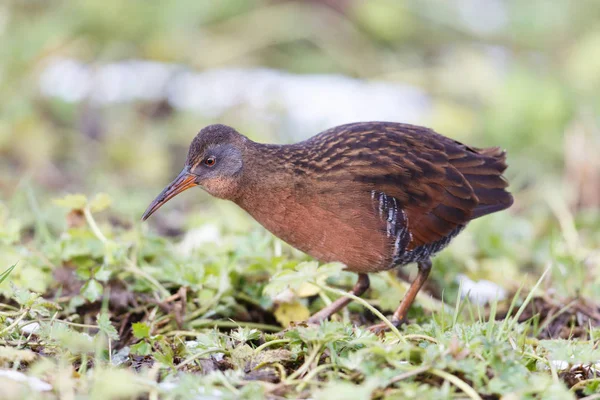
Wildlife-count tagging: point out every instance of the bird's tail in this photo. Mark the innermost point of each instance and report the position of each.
(485, 176)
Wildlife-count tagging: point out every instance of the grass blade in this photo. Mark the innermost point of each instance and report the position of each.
(5, 274)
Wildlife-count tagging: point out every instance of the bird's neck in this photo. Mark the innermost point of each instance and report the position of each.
(268, 177)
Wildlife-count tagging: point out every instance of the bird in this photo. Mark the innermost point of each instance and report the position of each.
(371, 195)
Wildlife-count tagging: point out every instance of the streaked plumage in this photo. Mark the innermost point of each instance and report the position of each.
(373, 195)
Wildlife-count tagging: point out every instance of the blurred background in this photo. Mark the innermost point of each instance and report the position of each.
(106, 95)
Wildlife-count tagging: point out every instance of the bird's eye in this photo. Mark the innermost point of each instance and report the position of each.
(210, 161)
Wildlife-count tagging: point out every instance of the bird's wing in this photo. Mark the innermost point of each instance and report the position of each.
(410, 166)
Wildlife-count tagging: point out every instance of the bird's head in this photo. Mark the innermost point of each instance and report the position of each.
(214, 162)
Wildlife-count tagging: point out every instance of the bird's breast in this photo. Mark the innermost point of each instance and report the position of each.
(324, 227)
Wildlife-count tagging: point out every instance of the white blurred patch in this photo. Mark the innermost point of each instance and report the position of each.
(480, 292)
(34, 383)
(26, 327)
(66, 79)
(30, 328)
(199, 237)
(304, 103)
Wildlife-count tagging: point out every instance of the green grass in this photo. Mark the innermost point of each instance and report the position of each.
(106, 311)
(6, 273)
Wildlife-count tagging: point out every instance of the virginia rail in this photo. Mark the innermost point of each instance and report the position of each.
(372, 195)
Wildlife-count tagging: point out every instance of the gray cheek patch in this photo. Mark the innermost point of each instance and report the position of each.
(230, 158)
(228, 162)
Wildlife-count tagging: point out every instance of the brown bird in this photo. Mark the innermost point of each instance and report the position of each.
(371, 195)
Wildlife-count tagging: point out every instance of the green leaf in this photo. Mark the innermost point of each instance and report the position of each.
(72, 201)
(241, 355)
(103, 274)
(92, 290)
(24, 297)
(100, 203)
(141, 349)
(42, 307)
(106, 326)
(209, 340)
(165, 355)
(141, 330)
(305, 272)
(245, 334)
(84, 271)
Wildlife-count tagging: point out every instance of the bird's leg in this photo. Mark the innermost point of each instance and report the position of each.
(399, 316)
(430, 287)
(361, 286)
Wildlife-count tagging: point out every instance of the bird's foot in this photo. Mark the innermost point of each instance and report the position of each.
(382, 327)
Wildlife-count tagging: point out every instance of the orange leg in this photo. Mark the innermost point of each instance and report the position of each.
(361, 286)
(399, 316)
(430, 286)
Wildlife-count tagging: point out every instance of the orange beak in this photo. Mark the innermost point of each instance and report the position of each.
(184, 181)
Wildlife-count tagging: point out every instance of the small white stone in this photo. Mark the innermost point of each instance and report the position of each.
(480, 292)
(196, 238)
(30, 328)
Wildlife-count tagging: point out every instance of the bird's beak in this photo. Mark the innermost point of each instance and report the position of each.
(184, 181)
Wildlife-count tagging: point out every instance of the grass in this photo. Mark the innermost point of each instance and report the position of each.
(6, 273)
(120, 304)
